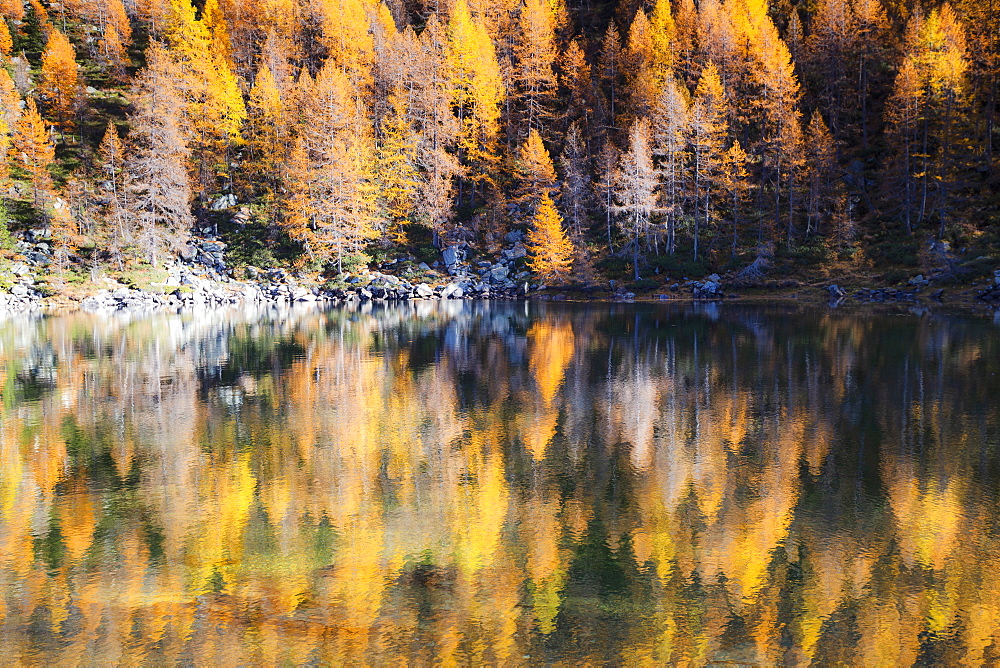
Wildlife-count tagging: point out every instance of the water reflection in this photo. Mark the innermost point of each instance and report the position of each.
(500, 483)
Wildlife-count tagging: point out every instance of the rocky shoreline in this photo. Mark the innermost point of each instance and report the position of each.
(200, 277)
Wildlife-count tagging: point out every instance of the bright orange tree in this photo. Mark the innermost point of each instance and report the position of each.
(60, 85)
(35, 150)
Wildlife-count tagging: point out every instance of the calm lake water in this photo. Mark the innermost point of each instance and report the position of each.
(491, 483)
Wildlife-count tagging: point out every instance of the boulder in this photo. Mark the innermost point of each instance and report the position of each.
(452, 291)
(224, 202)
(424, 290)
(452, 255)
(836, 292)
(514, 236)
(515, 253)
(498, 274)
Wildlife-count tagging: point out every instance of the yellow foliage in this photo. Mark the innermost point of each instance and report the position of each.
(550, 250)
(476, 89)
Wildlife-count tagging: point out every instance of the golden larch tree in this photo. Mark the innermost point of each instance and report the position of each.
(331, 205)
(10, 99)
(708, 133)
(10, 111)
(477, 91)
(112, 163)
(4, 150)
(267, 133)
(6, 42)
(535, 52)
(12, 10)
(214, 109)
(60, 84)
(536, 176)
(35, 151)
(112, 50)
(396, 172)
(550, 250)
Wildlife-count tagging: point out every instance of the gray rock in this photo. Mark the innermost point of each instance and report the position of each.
(498, 274)
(516, 252)
(452, 255)
(423, 290)
(708, 288)
(714, 278)
(835, 291)
(918, 280)
(452, 291)
(224, 202)
(514, 236)
(996, 277)
(423, 266)
(19, 291)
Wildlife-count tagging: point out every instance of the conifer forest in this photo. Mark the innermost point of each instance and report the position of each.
(635, 140)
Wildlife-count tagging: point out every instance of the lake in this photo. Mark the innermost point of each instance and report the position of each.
(500, 483)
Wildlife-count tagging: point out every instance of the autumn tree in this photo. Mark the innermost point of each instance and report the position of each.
(671, 126)
(35, 152)
(156, 170)
(6, 42)
(634, 188)
(708, 134)
(550, 250)
(611, 73)
(111, 153)
(10, 99)
(735, 184)
(536, 176)
(576, 79)
(60, 82)
(426, 76)
(331, 207)
(396, 174)
(12, 10)
(214, 109)
(347, 37)
(925, 113)
(10, 112)
(535, 53)
(268, 135)
(576, 185)
(476, 92)
(821, 165)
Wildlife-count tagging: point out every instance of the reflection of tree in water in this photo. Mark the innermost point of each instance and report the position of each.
(478, 483)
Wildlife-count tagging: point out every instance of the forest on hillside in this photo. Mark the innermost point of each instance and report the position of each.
(631, 139)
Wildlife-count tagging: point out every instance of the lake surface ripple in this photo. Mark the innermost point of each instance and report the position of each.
(500, 483)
